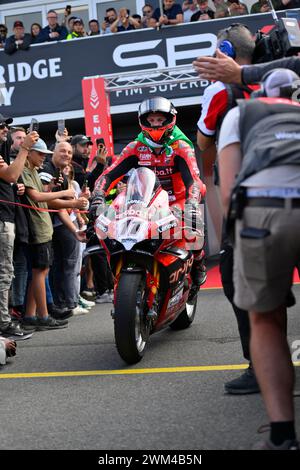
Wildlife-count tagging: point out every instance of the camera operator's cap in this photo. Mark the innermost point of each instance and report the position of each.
(81, 139)
(5, 120)
(276, 79)
(40, 146)
(18, 24)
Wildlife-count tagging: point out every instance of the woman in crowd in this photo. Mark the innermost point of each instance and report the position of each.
(35, 30)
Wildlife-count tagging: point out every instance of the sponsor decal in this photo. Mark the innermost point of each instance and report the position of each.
(165, 220)
(101, 227)
(94, 98)
(104, 220)
(137, 201)
(164, 172)
(181, 271)
(168, 226)
(143, 149)
(146, 156)
(287, 135)
(132, 213)
(146, 163)
(177, 289)
(175, 299)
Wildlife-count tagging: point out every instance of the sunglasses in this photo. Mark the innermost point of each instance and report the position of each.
(3, 31)
(3, 125)
(147, 11)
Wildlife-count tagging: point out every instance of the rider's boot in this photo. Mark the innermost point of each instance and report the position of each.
(199, 272)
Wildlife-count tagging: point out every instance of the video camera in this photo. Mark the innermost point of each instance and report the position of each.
(282, 41)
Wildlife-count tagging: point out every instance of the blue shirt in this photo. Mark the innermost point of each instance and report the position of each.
(170, 14)
(44, 34)
(122, 28)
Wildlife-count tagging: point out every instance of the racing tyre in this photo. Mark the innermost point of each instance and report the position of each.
(132, 329)
(186, 317)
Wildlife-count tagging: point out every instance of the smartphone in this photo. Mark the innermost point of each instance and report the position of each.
(57, 175)
(82, 229)
(61, 126)
(69, 9)
(34, 125)
(85, 182)
(100, 141)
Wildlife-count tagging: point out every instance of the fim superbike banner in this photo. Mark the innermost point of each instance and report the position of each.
(46, 79)
(97, 113)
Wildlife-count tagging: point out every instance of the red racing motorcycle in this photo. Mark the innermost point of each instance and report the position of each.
(151, 262)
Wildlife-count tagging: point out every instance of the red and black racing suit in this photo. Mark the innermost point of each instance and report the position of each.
(178, 172)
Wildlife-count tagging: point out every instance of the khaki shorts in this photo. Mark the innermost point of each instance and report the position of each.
(263, 267)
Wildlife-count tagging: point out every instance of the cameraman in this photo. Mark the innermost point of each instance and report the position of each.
(238, 42)
(259, 165)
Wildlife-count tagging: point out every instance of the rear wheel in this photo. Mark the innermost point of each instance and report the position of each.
(186, 318)
(132, 329)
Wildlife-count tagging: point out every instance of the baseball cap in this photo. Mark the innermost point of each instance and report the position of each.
(5, 120)
(40, 146)
(81, 139)
(276, 79)
(77, 20)
(18, 24)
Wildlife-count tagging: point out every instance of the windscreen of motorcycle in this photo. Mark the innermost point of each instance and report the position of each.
(140, 187)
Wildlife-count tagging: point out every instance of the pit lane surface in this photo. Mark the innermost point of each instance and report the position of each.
(87, 398)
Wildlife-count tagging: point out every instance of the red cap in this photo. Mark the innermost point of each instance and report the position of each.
(18, 24)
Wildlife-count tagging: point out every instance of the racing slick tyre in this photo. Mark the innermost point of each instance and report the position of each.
(186, 317)
(132, 329)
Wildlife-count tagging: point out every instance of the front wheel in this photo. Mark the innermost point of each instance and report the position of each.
(186, 317)
(132, 329)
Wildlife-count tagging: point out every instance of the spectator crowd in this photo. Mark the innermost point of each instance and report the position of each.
(173, 13)
(44, 200)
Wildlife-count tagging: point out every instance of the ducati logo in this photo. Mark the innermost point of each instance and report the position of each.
(94, 99)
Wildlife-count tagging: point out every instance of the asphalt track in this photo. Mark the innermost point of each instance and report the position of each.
(69, 389)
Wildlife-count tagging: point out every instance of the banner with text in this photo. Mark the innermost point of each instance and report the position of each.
(46, 79)
(97, 113)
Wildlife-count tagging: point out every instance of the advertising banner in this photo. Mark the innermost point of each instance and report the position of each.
(97, 113)
(46, 79)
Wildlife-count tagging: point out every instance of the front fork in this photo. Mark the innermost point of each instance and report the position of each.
(116, 282)
(152, 284)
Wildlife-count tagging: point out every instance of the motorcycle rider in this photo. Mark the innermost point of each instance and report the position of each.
(163, 148)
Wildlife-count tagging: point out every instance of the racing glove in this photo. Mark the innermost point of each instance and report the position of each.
(192, 215)
(97, 205)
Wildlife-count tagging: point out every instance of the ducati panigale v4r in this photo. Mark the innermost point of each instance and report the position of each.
(151, 262)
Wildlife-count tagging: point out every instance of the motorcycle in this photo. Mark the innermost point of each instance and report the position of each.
(151, 264)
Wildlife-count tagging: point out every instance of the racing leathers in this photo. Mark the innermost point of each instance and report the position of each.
(175, 166)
